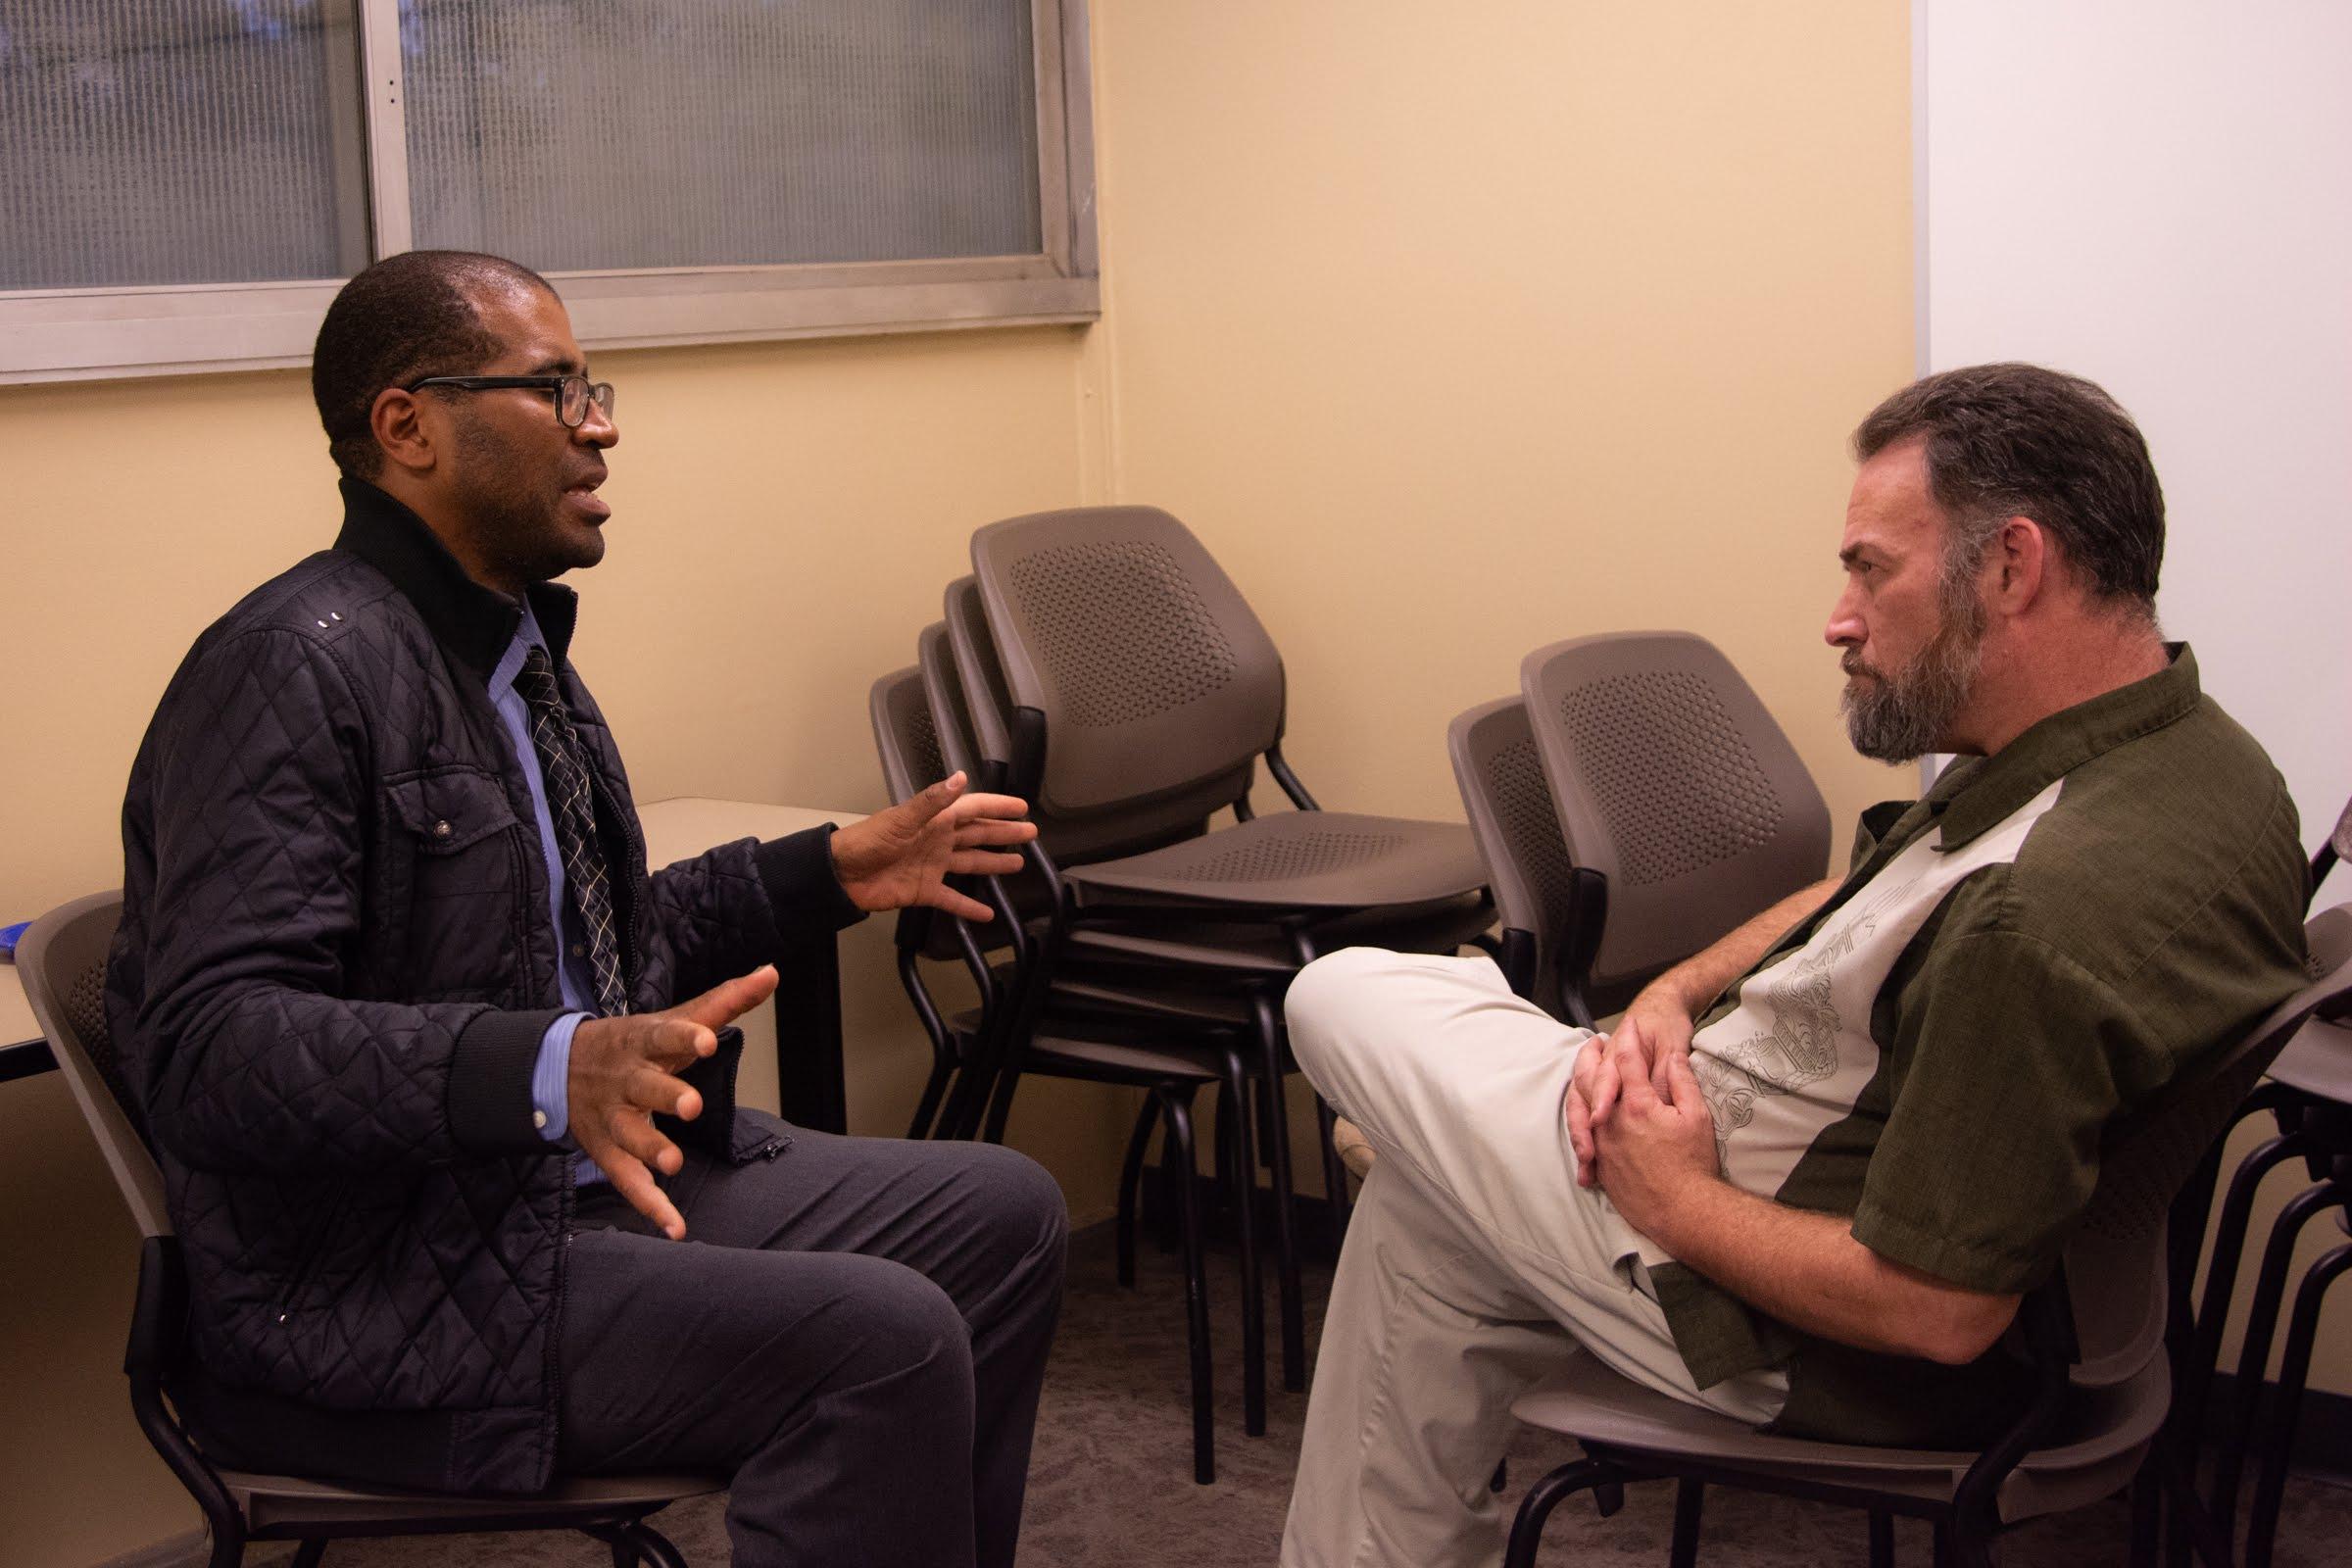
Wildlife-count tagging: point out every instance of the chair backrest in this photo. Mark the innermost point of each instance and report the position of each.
(2115, 1260)
(906, 738)
(63, 961)
(1518, 833)
(1151, 678)
(986, 702)
(1675, 784)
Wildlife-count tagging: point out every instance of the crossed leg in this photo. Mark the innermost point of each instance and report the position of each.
(1474, 1265)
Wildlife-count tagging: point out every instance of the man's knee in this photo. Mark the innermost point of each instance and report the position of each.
(1325, 1004)
(905, 1334)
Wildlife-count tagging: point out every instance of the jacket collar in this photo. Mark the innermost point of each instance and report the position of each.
(474, 622)
(1979, 793)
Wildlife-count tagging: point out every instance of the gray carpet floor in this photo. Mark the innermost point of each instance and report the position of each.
(1110, 1482)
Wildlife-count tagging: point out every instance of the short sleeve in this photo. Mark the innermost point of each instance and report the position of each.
(2008, 1062)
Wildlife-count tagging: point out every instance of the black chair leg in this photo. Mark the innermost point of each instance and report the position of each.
(624, 1551)
(655, 1547)
(2147, 1512)
(307, 1555)
(2294, 1369)
(1882, 1539)
(1690, 1500)
(2254, 1359)
(1176, 1106)
(1131, 1181)
(2220, 1278)
(1526, 1525)
(1275, 1136)
(1241, 1150)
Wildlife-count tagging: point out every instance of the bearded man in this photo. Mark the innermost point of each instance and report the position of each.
(2106, 887)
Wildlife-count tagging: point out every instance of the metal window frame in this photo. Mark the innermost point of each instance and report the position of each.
(181, 329)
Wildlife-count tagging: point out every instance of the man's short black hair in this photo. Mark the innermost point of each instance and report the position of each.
(408, 317)
(2017, 440)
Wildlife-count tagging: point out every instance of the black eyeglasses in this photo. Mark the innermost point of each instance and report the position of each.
(573, 393)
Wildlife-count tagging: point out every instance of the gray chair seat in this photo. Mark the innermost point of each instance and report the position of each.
(2318, 1061)
(276, 1506)
(1247, 950)
(2098, 1448)
(1303, 861)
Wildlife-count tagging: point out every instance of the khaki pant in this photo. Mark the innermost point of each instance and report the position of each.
(1473, 1267)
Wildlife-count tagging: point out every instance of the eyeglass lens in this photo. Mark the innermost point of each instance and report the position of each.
(578, 393)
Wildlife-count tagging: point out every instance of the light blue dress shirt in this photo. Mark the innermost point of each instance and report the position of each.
(551, 1075)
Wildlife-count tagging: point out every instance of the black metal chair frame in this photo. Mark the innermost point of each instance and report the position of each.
(989, 1052)
(2318, 1132)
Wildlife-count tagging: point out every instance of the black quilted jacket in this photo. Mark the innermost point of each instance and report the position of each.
(335, 968)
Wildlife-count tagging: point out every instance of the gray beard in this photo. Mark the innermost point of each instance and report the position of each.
(1902, 715)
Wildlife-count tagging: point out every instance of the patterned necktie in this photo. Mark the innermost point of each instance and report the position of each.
(565, 772)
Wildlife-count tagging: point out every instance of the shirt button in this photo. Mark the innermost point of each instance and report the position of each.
(579, 950)
(442, 829)
(539, 1119)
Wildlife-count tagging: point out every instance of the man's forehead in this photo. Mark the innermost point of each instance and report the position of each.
(1892, 507)
(531, 324)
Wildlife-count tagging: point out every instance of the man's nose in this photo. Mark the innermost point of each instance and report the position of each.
(1845, 630)
(599, 429)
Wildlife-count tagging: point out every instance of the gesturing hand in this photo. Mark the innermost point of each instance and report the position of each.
(903, 856)
(1654, 1029)
(1661, 1139)
(624, 1069)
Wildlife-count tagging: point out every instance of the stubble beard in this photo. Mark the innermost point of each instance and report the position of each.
(520, 527)
(1901, 715)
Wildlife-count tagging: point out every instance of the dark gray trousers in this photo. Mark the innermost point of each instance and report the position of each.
(855, 1329)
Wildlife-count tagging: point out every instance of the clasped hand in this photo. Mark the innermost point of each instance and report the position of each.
(1640, 1128)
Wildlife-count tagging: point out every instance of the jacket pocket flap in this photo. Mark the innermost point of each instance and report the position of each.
(448, 808)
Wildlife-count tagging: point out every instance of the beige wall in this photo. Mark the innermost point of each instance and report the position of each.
(1455, 334)
(1449, 340)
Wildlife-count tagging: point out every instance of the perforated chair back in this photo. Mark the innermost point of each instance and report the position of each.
(1156, 686)
(985, 701)
(905, 739)
(1518, 831)
(1675, 784)
(61, 957)
(2115, 1260)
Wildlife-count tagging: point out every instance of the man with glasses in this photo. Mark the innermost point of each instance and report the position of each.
(432, 1066)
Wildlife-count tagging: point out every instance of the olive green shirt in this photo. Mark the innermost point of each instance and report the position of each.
(2034, 949)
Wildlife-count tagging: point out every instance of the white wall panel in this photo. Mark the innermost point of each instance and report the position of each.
(2158, 195)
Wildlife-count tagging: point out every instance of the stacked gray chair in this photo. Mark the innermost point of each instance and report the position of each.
(1208, 1053)
(1139, 693)
(1677, 791)
(2095, 1337)
(1538, 890)
(63, 959)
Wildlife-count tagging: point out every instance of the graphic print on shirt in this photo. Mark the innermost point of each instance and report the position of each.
(1800, 1049)
(1796, 1052)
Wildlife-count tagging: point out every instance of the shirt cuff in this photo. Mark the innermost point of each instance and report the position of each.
(551, 1078)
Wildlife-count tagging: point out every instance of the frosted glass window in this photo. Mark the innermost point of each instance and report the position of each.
(179, 141)
(589, 134)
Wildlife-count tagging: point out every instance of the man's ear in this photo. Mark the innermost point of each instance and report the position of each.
(397, 419)
(2022, 565)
